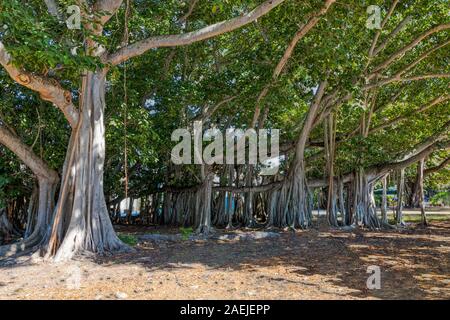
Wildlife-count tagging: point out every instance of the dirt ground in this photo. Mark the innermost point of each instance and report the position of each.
(314, 264)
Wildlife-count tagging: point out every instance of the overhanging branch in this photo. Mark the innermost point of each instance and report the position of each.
(140, 47)
(48, 89)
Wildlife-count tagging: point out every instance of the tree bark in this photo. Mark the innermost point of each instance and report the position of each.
(400, 191)
(7, 230)
(384, 218)
(82, 222)
(364, 208)
(342, 207)
(32, 211)
(43, 221)
(330, 139)
(47, 182)
(291, 203)
(203, 203)
(249, 220)
(421, 192)
(415, 194)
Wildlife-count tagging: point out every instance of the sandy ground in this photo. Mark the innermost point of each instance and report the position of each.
(314, 264)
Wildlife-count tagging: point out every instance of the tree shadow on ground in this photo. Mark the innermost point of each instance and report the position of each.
(414, 262)
(317, 263)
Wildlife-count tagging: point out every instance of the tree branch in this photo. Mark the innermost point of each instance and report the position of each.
(397, 78)
(376, 172)
(383, 24)
(26, 155)
(398, 119)
(392, 35)
(442, 134)
(140, 47)
(309, 122)
(48, 89)
(410, 46)
(437, 168)
(415, 62)
(184, 18)
(108, 8)
(302, 31)
(52, 8)
(210, 111)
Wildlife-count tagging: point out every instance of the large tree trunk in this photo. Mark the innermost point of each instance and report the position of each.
(421, 195)
(33, 206)
(363, 205)
(342, 207)
(330, 150)
(47, 182)
(249, 220)
(7, 230)
(291, 204)
(82, 222)
(44, 215)
(203, 199)
(231, 199)
(222, 201)
(384, 218)
(46, 207)
(413, 197)
(400, 191)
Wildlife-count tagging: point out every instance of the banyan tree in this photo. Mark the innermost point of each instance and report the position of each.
(357, 99)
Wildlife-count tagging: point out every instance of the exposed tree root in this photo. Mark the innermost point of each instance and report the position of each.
(291, 205)
(364, 206)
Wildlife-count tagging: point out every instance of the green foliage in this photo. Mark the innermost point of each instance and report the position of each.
(40, 43)
(441, 198)
(186, 232)
(129, 239)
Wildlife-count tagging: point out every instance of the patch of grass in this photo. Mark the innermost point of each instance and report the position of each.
(416, 218)
(128, 239)
(186, 232)
(430, 217)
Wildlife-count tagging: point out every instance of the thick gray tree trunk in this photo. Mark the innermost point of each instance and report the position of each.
(249, 220)
(400, 192)
(82, 223)
(33, 206)
(291, 204)
(203, 202)
(330, 139)
(47, 182)
(363, 205)
(293, 207)
(384, 218)
(43, 221)
(7, 230)
(342, 207)
(421, 192)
